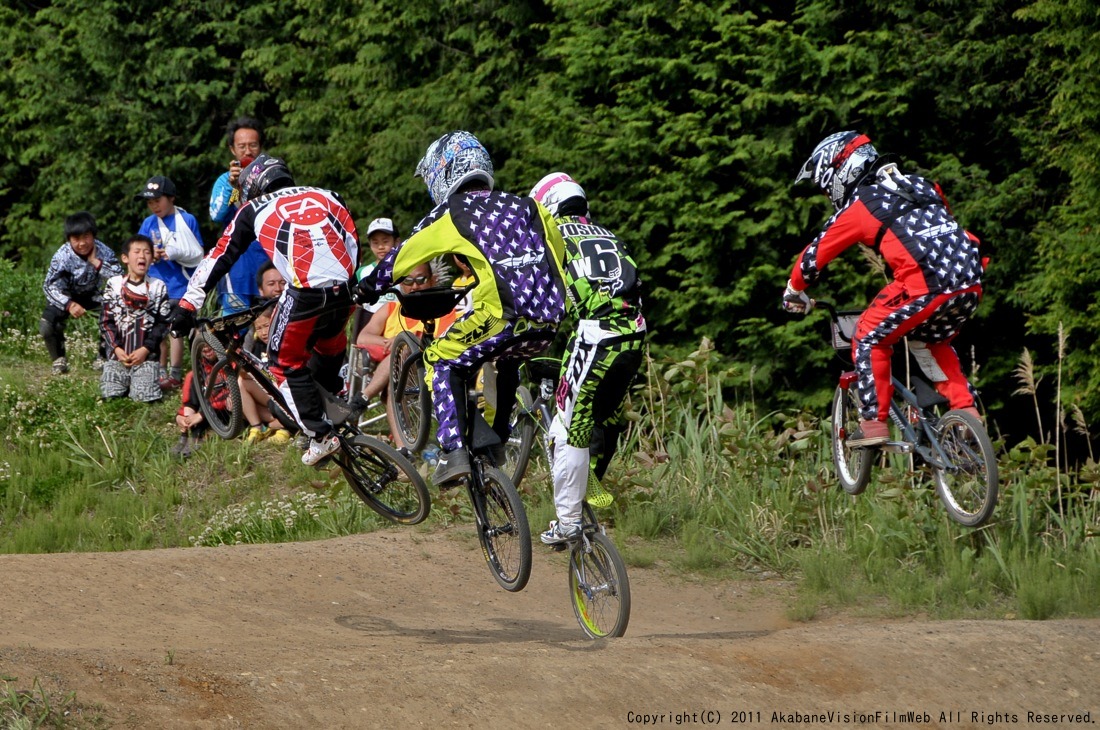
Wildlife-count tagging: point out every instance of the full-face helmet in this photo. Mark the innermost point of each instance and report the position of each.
(555, 189)
(453, 160)
(837, 163)
(264, 175)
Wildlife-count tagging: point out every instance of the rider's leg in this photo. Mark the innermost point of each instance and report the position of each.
(609, 399)
(292, 343)
(569, 472)
(450, 360)
(933, 350)
(505, 381)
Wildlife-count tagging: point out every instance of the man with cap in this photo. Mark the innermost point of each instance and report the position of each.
(177, 249)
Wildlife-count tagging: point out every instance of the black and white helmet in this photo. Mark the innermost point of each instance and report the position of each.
(453, 160)
(837, 163)
(261, 177)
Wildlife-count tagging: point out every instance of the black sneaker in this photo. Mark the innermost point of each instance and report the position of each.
(182, 447)
(452, 465)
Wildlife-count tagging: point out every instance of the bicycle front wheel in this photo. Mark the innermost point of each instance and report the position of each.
(598, 587)
(969, 483)
(218, 393)
(412, 402)
(853, 466)
(385, 480)
(517, 450)
(502, 529)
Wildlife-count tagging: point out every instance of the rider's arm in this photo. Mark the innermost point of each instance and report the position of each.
(236, 239)
(852, 225)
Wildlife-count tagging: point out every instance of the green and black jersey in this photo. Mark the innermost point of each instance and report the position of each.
(601, 276)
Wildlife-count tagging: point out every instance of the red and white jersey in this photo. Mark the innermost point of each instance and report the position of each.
(307, 232)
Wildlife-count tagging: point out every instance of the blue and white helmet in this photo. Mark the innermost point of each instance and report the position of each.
(452, 160)
(837, 163)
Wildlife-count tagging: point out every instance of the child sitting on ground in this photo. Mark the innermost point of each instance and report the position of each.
(189, 419)
(73, 283)
(134, 322)
(261, 421)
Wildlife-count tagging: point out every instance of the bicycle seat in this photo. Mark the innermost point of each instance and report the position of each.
(431, 303)
(544, 368)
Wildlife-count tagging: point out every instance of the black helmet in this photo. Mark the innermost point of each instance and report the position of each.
(262, 175)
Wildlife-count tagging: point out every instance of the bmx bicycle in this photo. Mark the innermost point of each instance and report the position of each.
(953, 446)
(378, 474)
(502, 527)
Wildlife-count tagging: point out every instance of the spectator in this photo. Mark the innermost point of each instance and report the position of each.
(238, 290)
(189, 419)
(384, 325)
(73, 284)
(262, 423)
(177, 248)
(135, 320)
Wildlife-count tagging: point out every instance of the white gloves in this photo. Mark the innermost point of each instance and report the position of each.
(797, 302)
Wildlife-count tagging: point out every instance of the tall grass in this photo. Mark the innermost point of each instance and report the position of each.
(756, 491)
(702, 485)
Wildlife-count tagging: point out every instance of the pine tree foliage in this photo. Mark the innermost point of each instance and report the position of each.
(685, 122)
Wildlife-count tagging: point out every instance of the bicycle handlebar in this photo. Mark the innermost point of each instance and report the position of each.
(236, 319)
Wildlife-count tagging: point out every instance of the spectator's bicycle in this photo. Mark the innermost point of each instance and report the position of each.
(502, 526)
(953, 446)
(380, 476)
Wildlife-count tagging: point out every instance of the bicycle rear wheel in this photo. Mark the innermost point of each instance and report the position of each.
(517, 450)
(502, 529)
(968, 486)
(853, 466)
(218, 393)
(412, 402)
(385, 480)
(598, 587)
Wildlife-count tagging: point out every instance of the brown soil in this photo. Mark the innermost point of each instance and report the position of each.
(405, 628)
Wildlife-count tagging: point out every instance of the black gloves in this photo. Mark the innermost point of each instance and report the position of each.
(183, 321)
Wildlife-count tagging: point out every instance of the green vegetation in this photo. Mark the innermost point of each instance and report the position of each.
(685, 121)
(29, 706)
(703, 487)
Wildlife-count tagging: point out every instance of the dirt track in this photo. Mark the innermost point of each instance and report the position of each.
(407, 629)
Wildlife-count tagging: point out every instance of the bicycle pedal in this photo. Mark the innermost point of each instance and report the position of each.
(897, 447)
(559, 547)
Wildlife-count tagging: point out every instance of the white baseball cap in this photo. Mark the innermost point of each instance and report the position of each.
(382, 224)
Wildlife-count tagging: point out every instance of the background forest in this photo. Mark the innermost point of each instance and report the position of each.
(685, 121)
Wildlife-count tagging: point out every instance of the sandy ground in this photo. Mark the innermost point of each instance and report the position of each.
(405, 628)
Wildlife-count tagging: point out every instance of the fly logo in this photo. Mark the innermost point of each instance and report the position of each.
(520, 262)
(936, 231)
(303, 211)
